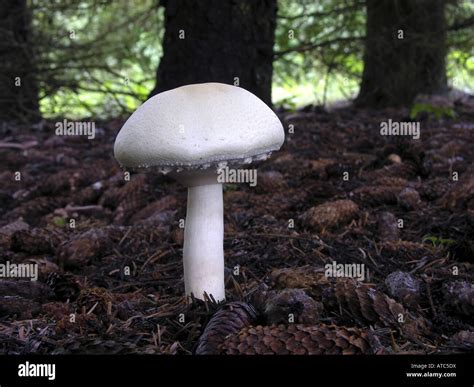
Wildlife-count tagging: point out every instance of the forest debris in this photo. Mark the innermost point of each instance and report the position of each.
(33, 290)
(304, 277)
(270, 181)
(460, 195)
(9, 229)
(387, 226)
(330, 214)
(409, 198)
(56, 310)
(460, 295)
(95, 300)
(45, 267)
(36, 240)
(365, 304)
(462, 340)
(371, 196)
(83, 248)
(168, 202)
(21, 146)
(64, 286)
(230, 318)
(404, 287)
(132, 197)
(297, 339)
(292, 305)
(19, 307)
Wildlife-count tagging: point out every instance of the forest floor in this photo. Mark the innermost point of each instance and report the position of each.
(337, 191)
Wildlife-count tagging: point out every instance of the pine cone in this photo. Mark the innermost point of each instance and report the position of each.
(36, 240)
(304, 277)
(231, 318)
(386, 181)
(404, 287)
(387, 226)
(460, 194)
(406, 170)
(33, 290)
(330, 214)
(7, 231)
(434, 189)
(133, 196)
(409, 199)
(373, 196)
(270, 181)
(18, 307)
(294, 303)
(83, 248)
(460, 295)
(352, 300)
(86, 196)
(297, 339)
(463, 341)
(55, 184)
(367, 305)
(37, 207)
(404, 251)
(64, 286)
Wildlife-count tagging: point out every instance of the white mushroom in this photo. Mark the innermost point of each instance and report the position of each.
(191, 132)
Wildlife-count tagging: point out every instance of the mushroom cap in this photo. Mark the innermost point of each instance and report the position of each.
(198, 125)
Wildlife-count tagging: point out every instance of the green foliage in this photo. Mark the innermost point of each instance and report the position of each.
(95, 58)
(99, 57)
(437, 111)
(438, 242)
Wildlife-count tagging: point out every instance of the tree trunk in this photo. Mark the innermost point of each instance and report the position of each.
(404, 52)
(18, 85)
(226, 41)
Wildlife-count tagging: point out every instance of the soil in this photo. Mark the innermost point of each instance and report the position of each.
(109, 248)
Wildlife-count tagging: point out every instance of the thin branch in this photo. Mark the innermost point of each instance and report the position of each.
(309, 47)
(324, 14)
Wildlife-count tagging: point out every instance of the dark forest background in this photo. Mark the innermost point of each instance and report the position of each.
(103, 58)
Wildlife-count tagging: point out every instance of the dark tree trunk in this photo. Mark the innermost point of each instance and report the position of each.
(19, 89)
(396, 70)
(226, 41)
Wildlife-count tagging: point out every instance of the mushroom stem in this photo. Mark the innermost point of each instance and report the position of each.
(204, 242)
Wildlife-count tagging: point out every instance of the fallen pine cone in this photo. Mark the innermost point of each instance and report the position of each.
(460, 295)
(303, 277)
(292, 304)
(352, 300)
(36, 240)
(230, 318)
(83, 248)
(373, 196)
(33, 290)
(387, 226)
(18, 307)
(64, 286)
(297, 339)
(133, 197)
(404, 287)
(367, 305)
(330, 214)
(462, 341)
(409, 198)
